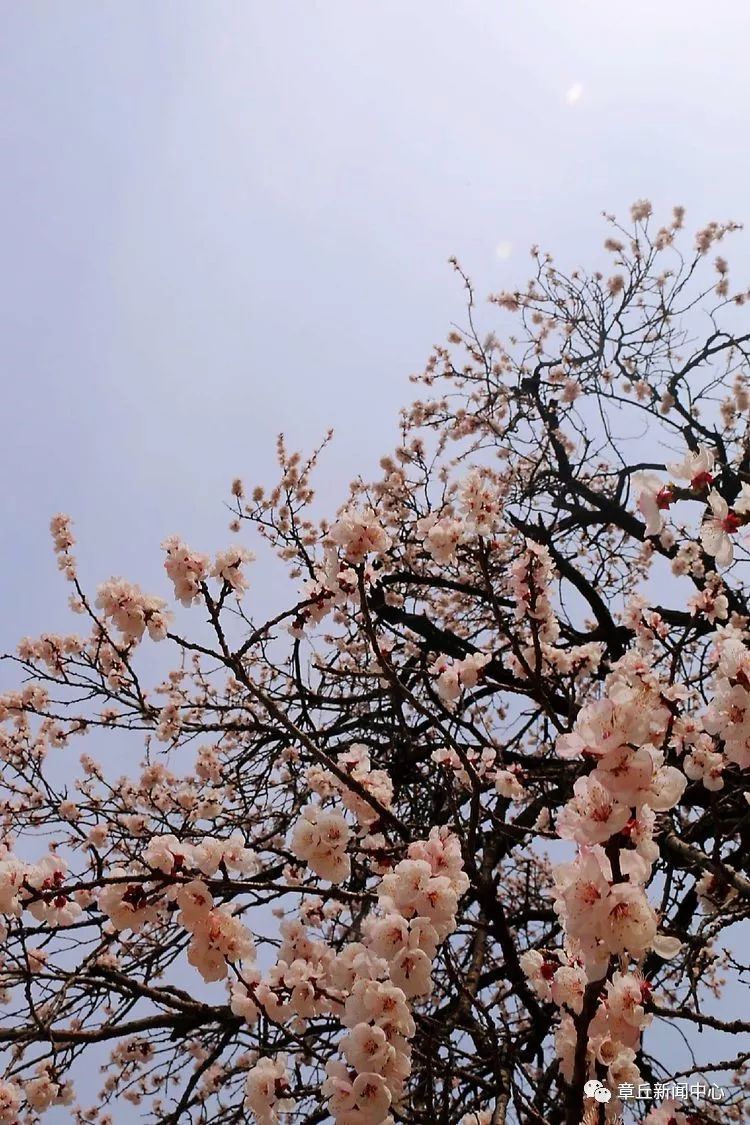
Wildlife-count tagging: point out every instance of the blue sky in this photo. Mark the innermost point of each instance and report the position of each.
(222, 220)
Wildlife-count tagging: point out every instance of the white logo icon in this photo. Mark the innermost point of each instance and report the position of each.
(594, 1089)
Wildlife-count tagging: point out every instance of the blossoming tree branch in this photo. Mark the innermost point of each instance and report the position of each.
(464, 827)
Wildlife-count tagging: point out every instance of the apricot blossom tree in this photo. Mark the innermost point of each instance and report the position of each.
(465, 827)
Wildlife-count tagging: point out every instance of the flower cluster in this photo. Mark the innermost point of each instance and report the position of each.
(40, 1094)
(728, 714)
(228, 568)
(265, 1085)
(455, 676)
(186, 569)
(45, 1090)
(358, 534)
(531, 576)
(10, 1103)
(217, 935)
(171, 871)
(170, 855)
(418, 903)
(698, 471)
(63, 540)
(377, 1051)
(481, 502)
(529, 586)
(50, 649)
(441, 536)
(600, 896)
(131, 611)
(356, 763)
(38, 888)
(319, 839)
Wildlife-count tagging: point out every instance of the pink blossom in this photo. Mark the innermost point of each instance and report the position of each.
(626, 994)
(218, 937)
(262, 1086)
(12, 873)
(568, 986)
(592, 815)
(653, 498)
(582, 892)
(167, 854)
(481, 502)
(441, 536)
(242, 1001)
(696, 467)
(44, 1091)
(507, 785)
(10, 1103)
(320, 839)
(411, 971)
(641, 210)
(131, 611)
(128, 905)
(380, 1003)
(51, 904)
(630, 924)
(186, 569)
(705, 765)
(195, 901)
(539, 971)
(367, 1048)
(365, 1099)
(360, 533)
(228, 567)
(717, 529)
(454, 676)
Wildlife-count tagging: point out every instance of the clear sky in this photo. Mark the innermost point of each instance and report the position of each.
(221, 220)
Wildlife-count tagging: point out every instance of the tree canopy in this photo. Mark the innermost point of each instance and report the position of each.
(461, 834)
